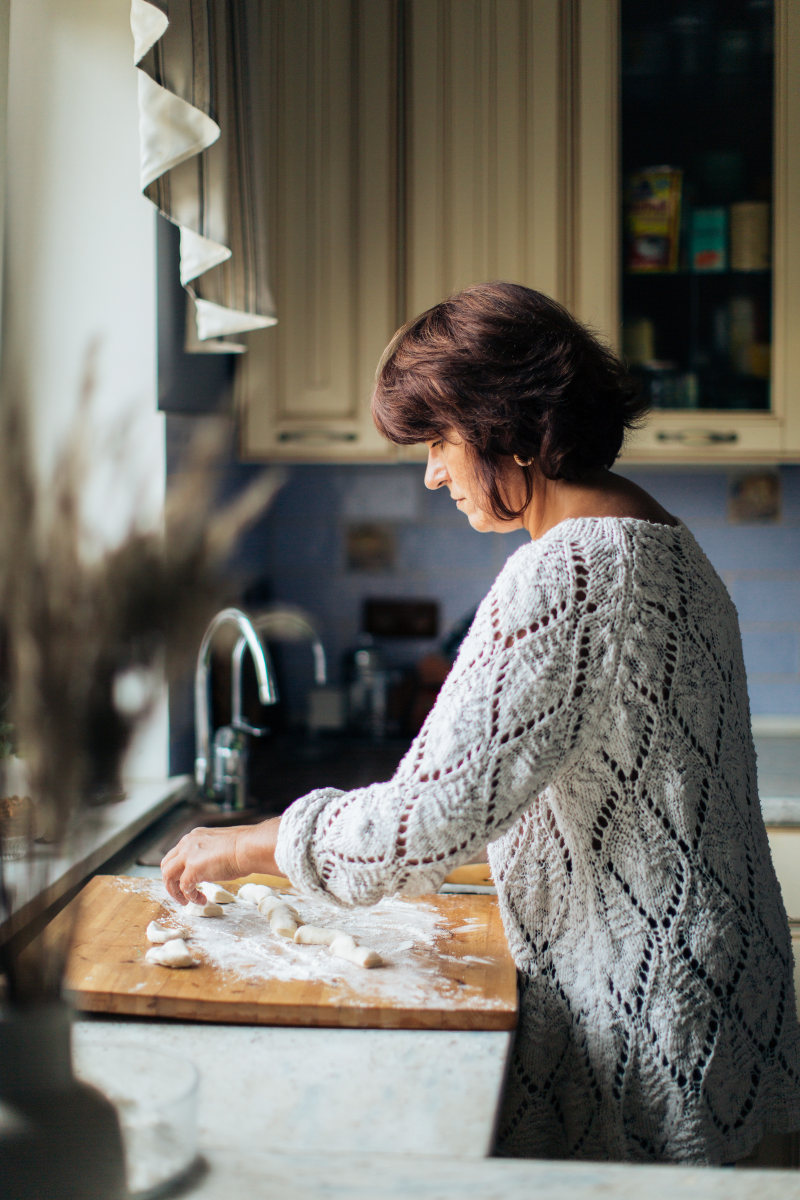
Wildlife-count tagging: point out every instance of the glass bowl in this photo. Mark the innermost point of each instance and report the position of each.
(155, 1095)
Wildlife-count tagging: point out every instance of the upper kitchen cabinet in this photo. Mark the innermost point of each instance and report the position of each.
(414, 147)
(687, 157)
(486, 180)
(303, 386)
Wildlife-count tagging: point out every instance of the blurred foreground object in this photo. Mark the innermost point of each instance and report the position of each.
(90, 632)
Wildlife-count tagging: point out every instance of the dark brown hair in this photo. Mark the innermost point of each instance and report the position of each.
(512, 372)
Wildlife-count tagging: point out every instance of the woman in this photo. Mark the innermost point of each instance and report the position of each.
(594, 731)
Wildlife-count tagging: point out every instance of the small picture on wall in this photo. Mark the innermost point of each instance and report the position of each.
(754, 497)
(370, 547)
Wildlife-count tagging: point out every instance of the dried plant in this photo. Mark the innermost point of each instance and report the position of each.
(91, 632)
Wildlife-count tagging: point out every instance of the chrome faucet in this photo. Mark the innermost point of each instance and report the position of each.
(286, 624)
(221, 771)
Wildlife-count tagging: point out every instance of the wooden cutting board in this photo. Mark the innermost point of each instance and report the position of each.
(457, 975)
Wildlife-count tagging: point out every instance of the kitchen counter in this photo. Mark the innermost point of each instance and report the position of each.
(372, 1113)
(339, 1091)
(382, 1115)
(391, 1114)
(404, 1176)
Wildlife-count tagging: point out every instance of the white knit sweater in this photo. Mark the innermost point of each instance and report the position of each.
(595, 730)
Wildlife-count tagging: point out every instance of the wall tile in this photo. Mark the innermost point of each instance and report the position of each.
(746, 547)
(770, 653)
(461, 551)
(774, 698)
(767, 597)
(298, 551)
(790, 494)
(696, 498)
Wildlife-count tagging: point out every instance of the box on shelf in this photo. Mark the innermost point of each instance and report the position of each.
(750, 235)
(652, 219)
(708, 239)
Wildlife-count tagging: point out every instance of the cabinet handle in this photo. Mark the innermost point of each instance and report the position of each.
(317, 435)
(696, 437)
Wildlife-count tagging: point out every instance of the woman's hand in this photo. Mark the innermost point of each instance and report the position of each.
(219, 853)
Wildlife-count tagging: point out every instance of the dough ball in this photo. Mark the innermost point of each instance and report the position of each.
(174, 953)
(252, 893)
(159, 933)
(215, 893)
(204, 910)
(284, 920)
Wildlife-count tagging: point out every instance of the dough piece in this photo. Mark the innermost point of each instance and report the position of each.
(340, 944)
(215, 893)
(266, 904)
(284, 920)
(174, 953)
(252, 893)
(162, 933)
(204, 910)
(344, 946)
(315, 935)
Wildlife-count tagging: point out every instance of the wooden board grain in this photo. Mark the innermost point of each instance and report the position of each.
(477, 874)
(469, 976)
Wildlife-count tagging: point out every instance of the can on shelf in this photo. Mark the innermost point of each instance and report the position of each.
(749, 235)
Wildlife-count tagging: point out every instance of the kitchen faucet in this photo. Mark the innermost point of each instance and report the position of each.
(221, 770)
(285, 624)
(281, 623)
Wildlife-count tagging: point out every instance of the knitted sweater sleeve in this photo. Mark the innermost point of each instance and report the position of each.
(516, 710)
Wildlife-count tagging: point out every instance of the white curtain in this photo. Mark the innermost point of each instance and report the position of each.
(202, 107)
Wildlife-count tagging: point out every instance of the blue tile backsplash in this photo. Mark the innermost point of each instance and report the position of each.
(298, 554)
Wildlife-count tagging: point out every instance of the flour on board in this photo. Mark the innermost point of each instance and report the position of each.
(242, 945)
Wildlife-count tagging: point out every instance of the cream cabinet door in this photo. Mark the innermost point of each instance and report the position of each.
(304, 385)
(486, 181)
(683, 436)
(784, 844)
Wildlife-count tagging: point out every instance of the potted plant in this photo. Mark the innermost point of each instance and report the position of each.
(90, 632)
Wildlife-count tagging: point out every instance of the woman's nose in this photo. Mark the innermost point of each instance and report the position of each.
(435, 472)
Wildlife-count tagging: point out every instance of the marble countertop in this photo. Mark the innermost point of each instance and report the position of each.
(404, 1176)
(379, 1115)
(349, 1091)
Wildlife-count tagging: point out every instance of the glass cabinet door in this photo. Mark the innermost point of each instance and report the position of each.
(697, 166)
(685, 149)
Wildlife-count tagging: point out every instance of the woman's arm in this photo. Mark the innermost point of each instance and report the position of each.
(523, 701)
(221, 853)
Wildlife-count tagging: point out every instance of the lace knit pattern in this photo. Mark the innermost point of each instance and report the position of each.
(595, 730)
